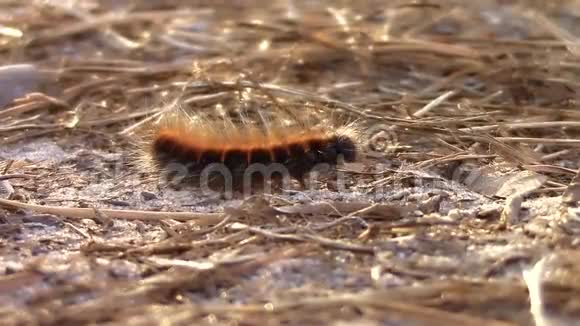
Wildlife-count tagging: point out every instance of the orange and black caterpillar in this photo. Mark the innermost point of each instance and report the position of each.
(187, 144)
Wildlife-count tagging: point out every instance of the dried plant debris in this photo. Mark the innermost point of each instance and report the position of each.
(460, 209)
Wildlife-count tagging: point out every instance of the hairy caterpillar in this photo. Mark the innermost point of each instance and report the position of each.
(233, 153)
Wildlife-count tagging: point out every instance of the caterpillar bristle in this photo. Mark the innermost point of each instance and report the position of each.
(182, 144)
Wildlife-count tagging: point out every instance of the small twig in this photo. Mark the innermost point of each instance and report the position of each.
(525, 125)
(433, 104)
(547, 141)
(9, 164)
(81, 213)
(16, 176)
(78, 231)
(35, 101)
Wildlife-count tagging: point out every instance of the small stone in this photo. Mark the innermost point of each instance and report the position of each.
(454, 214)
(88, 222)
(148, 195)
(116, 202)
(17, 81)
(492, 213)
